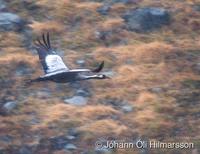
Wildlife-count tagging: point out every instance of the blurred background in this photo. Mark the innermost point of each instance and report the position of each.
(151, 51)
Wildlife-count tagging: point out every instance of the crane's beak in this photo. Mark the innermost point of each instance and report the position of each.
(107, 77)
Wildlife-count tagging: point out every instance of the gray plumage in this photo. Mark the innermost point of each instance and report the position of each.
(54, 68)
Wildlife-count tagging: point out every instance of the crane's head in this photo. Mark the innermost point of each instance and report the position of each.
(102, 76)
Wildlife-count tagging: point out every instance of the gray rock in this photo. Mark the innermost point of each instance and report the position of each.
(25, 150)
(156, 90)
(10, 22)
(146, 19)
(34, 121)
(75, 85)
(2, 5)
(129, 61)
(98, 0)
(127, 108)
(108, 37)
(114, 102)
(124, 1)
(97, 34)
(43, 94)
(103, 150)
(103, 35)
(9, 106)
(71, 137)
(116, 1)
(196, 7)
(58, 142)
(118, 104)
(80, 62)
(73, 132)
(103, 10)
(76, 100)
(2, 151)
(6, 138)
(70, 147)
(197, 67)
(22, 69)
(82, 92)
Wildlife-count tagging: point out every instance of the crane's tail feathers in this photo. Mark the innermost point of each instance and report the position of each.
(30, 81)
(99, 68)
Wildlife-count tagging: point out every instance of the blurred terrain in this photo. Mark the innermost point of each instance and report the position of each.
(151, 49)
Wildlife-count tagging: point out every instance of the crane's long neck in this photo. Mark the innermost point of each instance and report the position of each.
(87, 77)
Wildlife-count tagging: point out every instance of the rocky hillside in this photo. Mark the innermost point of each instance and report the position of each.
(151, 50)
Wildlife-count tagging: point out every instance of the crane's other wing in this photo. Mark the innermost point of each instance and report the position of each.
(99, 68)
(51, 62)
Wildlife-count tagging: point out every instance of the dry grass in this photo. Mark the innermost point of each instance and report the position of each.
(111, 23)
(88, 5)
(164, 58)
(49, 26)
(104, 127)
(14, 40)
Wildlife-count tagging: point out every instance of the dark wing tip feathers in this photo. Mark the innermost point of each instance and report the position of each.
(99, 68)
(46, 42)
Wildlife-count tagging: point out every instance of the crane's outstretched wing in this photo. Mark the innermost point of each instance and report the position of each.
(51, 62)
